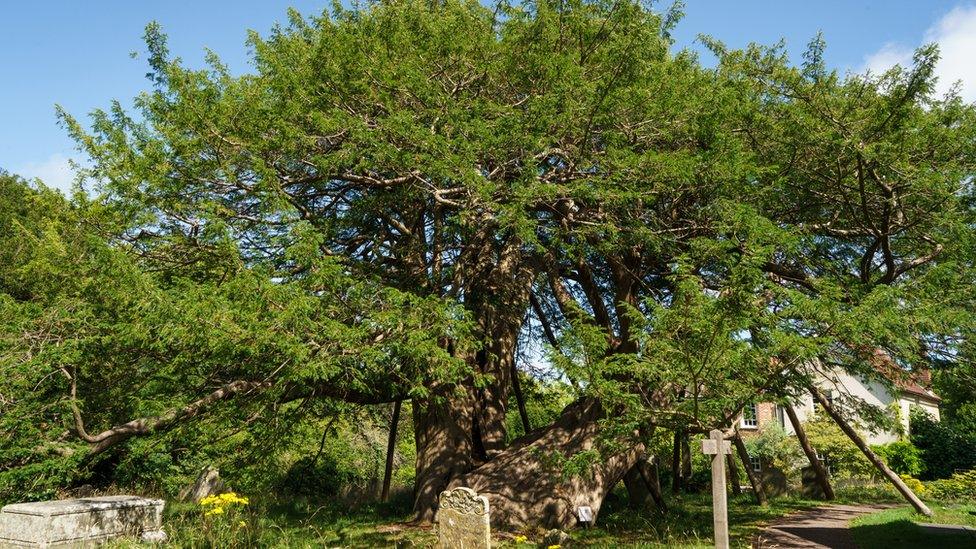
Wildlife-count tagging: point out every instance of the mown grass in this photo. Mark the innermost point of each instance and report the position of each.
(687, 523)
(903, 528)
(304, 524)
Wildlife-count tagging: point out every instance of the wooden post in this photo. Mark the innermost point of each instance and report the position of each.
(717, 447)
(818, 467)
(757, 487)
(872, 457)
(390, 449)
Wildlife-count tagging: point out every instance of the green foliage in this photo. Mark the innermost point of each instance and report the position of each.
(80, 316)
(946, 447)
(902, 457)
(544, 400)
(773, 445)
(367, 216)
(960, 486)
(844, 458)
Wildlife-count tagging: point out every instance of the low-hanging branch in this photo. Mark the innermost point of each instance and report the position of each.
(148, 425)
(145, 426)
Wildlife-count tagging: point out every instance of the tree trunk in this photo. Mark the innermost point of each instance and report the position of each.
(638, 493)
(390, 450)
(818, 467)
(733, 475)
(443, 430)
(460, 428)
(526, 485)
(685, 458)
(652, 476)
(676, 464)
(520, 399)
(757, 487)
(872, 457)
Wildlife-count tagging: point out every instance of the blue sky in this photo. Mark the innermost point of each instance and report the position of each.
(76, 53)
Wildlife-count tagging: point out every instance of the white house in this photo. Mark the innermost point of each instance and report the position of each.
(908, 392)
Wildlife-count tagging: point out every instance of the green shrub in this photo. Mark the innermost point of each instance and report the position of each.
(774, 446)
(902, 457)
(946, 447)
(845, 459)
(958, 486)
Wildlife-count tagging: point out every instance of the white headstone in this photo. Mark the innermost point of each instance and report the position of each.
(463, 521)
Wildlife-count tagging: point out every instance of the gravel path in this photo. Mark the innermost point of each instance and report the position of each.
(815, 528)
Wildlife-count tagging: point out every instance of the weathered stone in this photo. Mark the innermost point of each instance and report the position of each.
(78, 522)
(207, 484)
(463, 520)
(774, 481)
(811, 487)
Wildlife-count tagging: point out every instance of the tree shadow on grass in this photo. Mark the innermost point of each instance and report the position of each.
(904, 533)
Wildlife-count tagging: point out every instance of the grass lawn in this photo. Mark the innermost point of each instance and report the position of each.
(902, 527)
(688, 523)
(301, 524)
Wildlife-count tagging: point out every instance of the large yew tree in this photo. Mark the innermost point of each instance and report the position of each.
(402, 192)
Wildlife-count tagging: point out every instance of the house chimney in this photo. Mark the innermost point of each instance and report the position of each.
(924, 377)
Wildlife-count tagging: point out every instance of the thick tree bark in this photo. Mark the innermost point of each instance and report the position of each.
(643, 484)
(638, 492)
(905, 491)
(818, 467)
(650, 470)
(462, 428)
(390, 450)
(443, 427)
(757, 488)
(526, 486)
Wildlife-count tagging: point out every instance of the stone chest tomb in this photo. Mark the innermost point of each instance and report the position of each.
(80, 522)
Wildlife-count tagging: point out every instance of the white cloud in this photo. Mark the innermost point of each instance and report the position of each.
(888, 56)
(955, 33)
(54, 172)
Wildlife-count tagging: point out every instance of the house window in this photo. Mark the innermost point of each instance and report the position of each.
(750, 418)
(825, 461)
(756, 463)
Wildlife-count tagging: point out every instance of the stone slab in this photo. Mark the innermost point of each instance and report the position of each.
(463, 520)
(81, 522)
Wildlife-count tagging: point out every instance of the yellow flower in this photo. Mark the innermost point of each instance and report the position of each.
(242, 523)
(555, 546)
(215, 511)
(521, 539)
(209, 500)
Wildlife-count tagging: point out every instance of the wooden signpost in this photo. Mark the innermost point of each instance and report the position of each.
(717, 447)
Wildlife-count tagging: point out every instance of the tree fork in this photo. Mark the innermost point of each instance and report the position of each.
(818, 467)
(905, 491)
